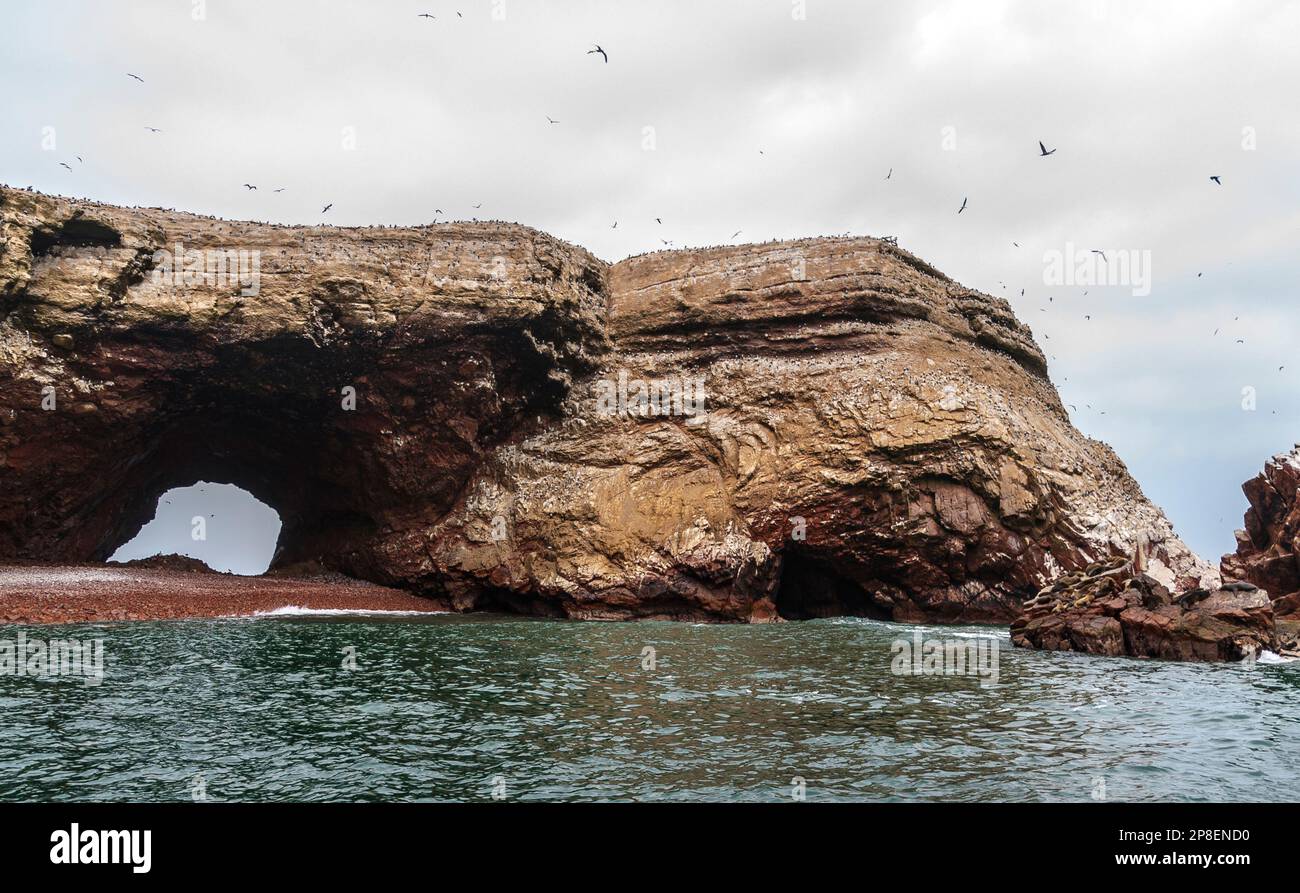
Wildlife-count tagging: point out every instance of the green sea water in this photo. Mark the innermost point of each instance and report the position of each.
(480, 707)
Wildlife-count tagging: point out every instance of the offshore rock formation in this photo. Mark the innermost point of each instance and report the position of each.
(1114, 609)
(1267, 549)
(832, 426)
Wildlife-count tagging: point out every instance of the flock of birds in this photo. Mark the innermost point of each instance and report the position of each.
(598, 50)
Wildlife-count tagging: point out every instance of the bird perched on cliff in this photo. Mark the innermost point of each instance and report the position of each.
(601, 51)
(136, 76)
(963, 206)
(1043, 151)
(1217, 180)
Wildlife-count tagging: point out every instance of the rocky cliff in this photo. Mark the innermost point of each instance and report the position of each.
(1267, 549)
(493, 418)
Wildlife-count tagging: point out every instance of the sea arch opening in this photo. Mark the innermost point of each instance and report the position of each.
(223, 525)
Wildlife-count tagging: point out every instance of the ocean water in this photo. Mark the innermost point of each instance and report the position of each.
(476, 707)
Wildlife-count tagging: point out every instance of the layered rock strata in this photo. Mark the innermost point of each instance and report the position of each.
(495, 419)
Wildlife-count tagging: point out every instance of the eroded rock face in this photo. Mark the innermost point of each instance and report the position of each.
(1111, 608)
(1267, 548)
(845, 430)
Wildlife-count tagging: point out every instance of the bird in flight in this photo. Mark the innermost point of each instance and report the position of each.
(1102, 253)
(1217, 180)
(658, 221)
(250, 187)
(963, 206)
(425, 15)
(601, 51)
(1043, 151)
(890, 174)
(666, 242)
(479, 205)
(327, 207)
(65, 164)
(281, 189)
(79, 159)
(153, 130)
(136, 76)
(1017, 244)
(552, 120)
(615, 226)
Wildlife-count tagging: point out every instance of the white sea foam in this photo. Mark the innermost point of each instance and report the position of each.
(1268, 657)
(299, 611)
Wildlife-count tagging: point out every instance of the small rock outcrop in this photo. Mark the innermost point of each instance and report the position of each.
(495, 419)
(1111, 608)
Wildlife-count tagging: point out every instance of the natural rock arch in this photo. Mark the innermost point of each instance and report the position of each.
(906, 419)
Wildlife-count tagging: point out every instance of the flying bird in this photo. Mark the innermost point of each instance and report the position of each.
(281, 189)
(136, 76)
(963, 206)
(552, 120)
(65, 164)
(425, 15)
(1043, 151)
(327, 207)
(153, 130)
(601, 51)
(249, 186)
(658, 221)
(615, 226)
(479, 205)
(890, 174)
(736, 233)
(1217, 180)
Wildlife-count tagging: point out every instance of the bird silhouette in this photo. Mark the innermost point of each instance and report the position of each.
(552, 120)
(963, 206)
(1217, 180)
(153, 130)
(1043, 151)
(327, 207)
(136, 76)
(250, 187)
(601, 51)
(65, 164)
(425, 15)
(890, 174)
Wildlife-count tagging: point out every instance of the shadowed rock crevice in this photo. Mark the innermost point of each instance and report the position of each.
(904, 421)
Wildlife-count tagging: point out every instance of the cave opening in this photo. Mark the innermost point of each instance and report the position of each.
(811, 587)
(222, 525)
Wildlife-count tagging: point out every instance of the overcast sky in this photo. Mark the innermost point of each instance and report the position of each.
(778, 118)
